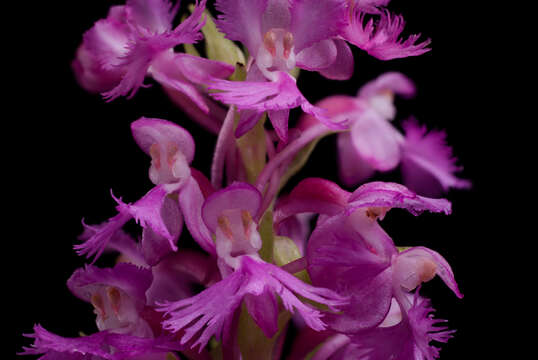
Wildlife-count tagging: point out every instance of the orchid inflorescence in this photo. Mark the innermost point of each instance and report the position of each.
(344, 285)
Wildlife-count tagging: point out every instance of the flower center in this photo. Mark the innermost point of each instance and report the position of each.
(383, 103)
(236, 235)
(168, 164)
(277, 53)
(110, 306)
(411, 271)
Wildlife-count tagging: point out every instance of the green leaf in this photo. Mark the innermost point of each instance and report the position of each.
(253, 343)
(252, 148)
(403, 248)
(267, 235)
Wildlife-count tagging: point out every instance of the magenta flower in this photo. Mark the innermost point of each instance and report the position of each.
(381, 38)
(118, 297)
(279, 36)
(246, 277)
(402, 335)
(351, 254)
(172, 149)
(374, 144)
(137, 40)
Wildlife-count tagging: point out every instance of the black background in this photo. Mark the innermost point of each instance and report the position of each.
(70, 148)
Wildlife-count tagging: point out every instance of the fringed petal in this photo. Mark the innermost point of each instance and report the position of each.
(209, 311)
(428, 165)
(241, 20)
(381, 39)
(153, 16)
(103, 345)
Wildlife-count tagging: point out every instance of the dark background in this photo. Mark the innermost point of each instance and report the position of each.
(70, 148)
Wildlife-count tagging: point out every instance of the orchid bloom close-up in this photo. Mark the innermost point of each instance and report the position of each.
(137, 40)
(262, 212)
(374, 143)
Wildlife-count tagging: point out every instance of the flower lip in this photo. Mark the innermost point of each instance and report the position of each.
(238, 196)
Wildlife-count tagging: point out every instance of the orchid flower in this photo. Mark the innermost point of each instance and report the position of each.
(374, 144)
(279, 36)
(137, 40)
(118, 297)
(351, 254)
(246, 277)
(161, 215)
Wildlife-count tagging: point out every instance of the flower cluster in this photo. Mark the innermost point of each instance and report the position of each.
(258, 266)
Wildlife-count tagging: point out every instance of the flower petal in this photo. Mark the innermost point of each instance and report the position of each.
(318, 56)
(382, 39)
(200, 70)
(442, 267)
(127, 277)
(155, 246)
(149, 131)
(342, 67)
(395, 82)
(142, 49)
(313, 21)
(240, 196)
(154, 16)
(191, 200)
(155, 211)
(376, 140)
(313, 195)
(390, 195)
(279, 120)
(214, 307)
(241, 20)
(101, 235)
(353, 169)
(343, 258)
(427, 161)
(103, 345)
(264, 311)
(281, 94)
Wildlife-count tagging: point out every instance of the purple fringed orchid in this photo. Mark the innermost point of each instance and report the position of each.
(137, 40)
(118, 296)
(351, 254)
(246, 277)
(380, 39)
(176, 196)
(279, 36)
(374, 144)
